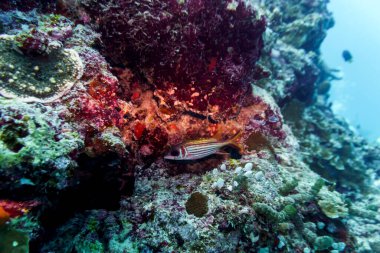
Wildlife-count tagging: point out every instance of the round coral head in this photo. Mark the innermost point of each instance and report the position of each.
(42, 78)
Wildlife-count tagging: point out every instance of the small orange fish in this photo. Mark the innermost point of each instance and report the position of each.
(4, 216)
(198, 149)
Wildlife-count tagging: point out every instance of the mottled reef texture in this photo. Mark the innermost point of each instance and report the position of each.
(94, 93)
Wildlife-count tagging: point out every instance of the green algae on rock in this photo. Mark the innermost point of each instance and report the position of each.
(35, 145)
(33, 138)
(39, 78)
(331, 204)
(269, 212)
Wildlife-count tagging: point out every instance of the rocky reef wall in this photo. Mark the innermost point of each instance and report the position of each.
(95, 93)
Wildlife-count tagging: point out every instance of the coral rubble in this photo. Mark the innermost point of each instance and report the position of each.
(85, 162)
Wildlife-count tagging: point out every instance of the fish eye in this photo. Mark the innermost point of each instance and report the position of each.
(174, 152)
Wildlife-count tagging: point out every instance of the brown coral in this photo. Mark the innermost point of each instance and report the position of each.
(37, 78)
(197, 204)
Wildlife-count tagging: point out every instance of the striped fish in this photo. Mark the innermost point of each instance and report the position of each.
(198, 149)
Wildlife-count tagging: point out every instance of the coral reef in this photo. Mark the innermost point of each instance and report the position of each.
(35, 67)
(11, 22)
(100, 232)
(331, 204)
(355, 160)
(34, 142)
(82, 168)
(292, 42)
(28, 5)
(242, 200)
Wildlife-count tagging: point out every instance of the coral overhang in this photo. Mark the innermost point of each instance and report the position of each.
(199, 55)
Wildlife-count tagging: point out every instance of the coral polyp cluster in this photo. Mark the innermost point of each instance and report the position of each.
(35, 66)
(37, 78)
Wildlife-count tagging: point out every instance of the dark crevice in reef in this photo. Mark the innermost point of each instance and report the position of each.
(41, 5)
(11, 134)
(100, 183)
(24, 193)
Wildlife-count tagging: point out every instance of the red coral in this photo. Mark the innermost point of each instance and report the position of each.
(191, 67)
(266, 120)
(35, 42)
(135, 95)
(12, 209)
(93, 62)
(103, 88)
(139, 129)
(210, 46)
(98, 107)
(154, 143)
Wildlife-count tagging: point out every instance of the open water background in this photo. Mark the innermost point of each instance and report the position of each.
(357, 95)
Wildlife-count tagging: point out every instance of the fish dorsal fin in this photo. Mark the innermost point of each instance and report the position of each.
(220, 134)
(201, 141)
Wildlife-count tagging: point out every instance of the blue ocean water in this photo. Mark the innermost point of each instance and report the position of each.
(357, 95)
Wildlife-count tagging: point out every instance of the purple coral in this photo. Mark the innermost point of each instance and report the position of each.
(44, 39)
(204, 52)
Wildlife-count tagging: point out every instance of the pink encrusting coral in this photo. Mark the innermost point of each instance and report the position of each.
(190, 68)
(199, 55)
(49, 35)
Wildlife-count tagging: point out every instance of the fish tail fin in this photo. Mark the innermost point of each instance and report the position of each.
(234, 141)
